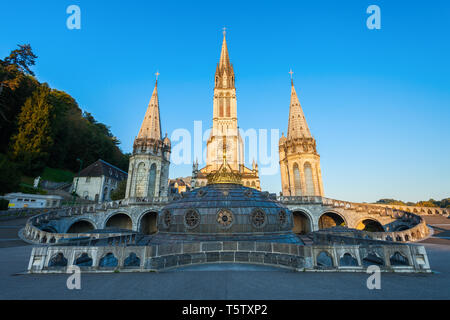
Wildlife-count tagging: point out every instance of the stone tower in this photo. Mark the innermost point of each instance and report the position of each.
(299, 160)
(148, 172)
(225, 128)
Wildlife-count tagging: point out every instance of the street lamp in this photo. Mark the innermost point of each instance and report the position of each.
(76, 183)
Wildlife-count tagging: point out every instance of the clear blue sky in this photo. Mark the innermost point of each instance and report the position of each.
(377, 101)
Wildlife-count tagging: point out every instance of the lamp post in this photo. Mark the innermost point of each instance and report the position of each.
(76, 183)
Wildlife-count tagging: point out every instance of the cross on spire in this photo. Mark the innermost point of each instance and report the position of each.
(224, 31)
(292, 78)
(157, 74)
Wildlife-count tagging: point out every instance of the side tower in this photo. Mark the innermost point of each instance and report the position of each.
(299, 160)
(148, 172)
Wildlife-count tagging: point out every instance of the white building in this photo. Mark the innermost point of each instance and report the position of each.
(98, 181)
(24, 200)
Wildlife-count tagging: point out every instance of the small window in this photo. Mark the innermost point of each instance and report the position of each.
(19, 199)
(33, 200)
(88, 179)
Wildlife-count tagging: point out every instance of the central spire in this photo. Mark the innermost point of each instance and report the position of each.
(224, 71)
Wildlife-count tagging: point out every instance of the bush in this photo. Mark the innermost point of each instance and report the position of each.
(4, 204)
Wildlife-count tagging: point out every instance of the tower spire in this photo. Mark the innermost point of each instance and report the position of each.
(297, 126)
(151, 126)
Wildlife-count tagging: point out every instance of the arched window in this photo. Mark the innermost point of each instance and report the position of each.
(309, 179)
(152, 181)
(297, 183)
(220, 107)
(228, 106)
(141, 184)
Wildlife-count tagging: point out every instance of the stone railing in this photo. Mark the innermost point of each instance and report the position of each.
(362, 206)
(417, 230)
(34, 234)
(398, 258)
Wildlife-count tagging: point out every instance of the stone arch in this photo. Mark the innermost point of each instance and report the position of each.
(347, 260)
(430, 211)
(309, 182)
(302, 222)
(132, 261)
(148, 222)
(83, 260)
(370, 225)
(297, 180)
(57, 260)
(372, 258)
(152, 180)
(330, 219)
(324, 260)
(398, 259)
(253, 184)
(81, 226)
(108, 261)
(119, 220)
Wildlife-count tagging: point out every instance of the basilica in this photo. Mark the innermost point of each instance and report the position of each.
(226, 217)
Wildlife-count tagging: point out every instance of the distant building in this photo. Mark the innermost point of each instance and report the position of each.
(179, 185)
(98, 181)
(24, 200)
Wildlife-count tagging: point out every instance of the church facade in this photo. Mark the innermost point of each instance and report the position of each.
(225, 130)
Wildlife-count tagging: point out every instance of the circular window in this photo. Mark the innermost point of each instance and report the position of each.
(225, 218)
(282, 217)
(248, 193)
(201, 193)
(167, 218)
(258, 218)
(192, 218)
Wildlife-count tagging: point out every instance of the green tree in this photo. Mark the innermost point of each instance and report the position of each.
(16, 85)
(9, 175)
(119, 193)
(32, 144)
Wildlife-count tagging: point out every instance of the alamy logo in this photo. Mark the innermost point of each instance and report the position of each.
(374, 20)
(74, 281)
(74, 20)
(374, 281)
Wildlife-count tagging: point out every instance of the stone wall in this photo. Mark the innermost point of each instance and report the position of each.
(121, 257)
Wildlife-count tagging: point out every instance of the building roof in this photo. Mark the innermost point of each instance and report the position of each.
(102, 168)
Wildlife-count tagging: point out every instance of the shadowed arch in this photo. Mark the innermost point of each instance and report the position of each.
(119, 221)
(148, 222)
(81, 226)
(370, 225)
(331, 219)
(302, 222)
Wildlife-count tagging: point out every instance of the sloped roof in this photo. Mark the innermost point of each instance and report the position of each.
(102, 168)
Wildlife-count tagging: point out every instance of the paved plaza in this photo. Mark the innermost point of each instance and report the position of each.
(223, 281)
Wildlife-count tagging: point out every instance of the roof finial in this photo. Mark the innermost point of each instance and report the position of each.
(292, 78)
(224, 31)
